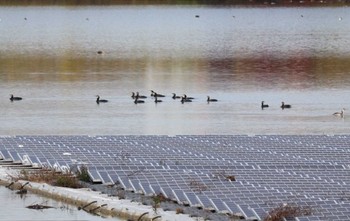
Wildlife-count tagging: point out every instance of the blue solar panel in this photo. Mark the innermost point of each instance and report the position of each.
(244, 175)
(180, 197)
(248, 213)
(5, 155)
(94, 175)
(146, 189)
(106, 179)
(192, 199)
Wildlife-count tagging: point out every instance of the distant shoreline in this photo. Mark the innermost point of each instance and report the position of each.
(266, 3)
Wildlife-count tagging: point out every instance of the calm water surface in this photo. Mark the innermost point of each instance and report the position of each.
(13, 207)
(240, 56)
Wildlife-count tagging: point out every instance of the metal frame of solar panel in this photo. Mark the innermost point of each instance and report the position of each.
(194, 170)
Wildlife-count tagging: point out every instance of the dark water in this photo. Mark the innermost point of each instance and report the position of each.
(240, 56)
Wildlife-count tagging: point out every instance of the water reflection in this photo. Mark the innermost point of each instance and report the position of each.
(261, 73)
(258, 54)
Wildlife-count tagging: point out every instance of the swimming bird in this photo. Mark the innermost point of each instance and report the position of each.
(188, 98)
(137, 101)
(175, 97)
(158, 95)
(285, 105)
(133, 96)
(12, 98)
(211, 100)
(156, 100)
(183, 100)
(154, 94)
(98, 100)
(340, 114)
(140, 96)
(264, 105)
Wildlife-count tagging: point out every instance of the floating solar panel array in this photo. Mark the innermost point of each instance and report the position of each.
(242, 175)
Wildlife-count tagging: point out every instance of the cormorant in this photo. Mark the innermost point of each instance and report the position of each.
(211, 100)
(156, 100)
(154, 94)
(183, 100)
(12, 98)
(140, 96)
(188, 98)
(137, 101)
(285, 105)
(264, 105)
(175, 97)
(98, 100)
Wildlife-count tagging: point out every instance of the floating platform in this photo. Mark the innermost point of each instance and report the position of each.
(245, 176)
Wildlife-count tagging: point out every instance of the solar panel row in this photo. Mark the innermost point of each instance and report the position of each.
(242, 175)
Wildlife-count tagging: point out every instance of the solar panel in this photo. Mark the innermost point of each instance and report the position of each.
(205, 202)
(5, 155)
(105, 178)
(192, 199)
(180, 197)
(260, 213)
(219, 206)
(135, 185)
(235, 173)
(234, 209)
(146, 189)
(126, 184)
(95, 176)
(167, 192)
(156, 189)
(247, 212)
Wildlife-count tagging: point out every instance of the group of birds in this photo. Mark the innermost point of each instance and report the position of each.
(283, 106)
(140, 99)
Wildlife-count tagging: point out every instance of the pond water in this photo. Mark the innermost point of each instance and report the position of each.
(13, 207)
(238, 55)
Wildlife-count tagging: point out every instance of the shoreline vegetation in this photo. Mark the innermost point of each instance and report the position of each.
(108, 201)
(284, 3)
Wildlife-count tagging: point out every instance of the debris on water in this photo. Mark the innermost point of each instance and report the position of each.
(39, 207)
(22, 191)
(9, 186)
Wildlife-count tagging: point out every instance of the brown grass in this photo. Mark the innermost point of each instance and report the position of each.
(50, 177)
(287, 211)
(179, 211)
